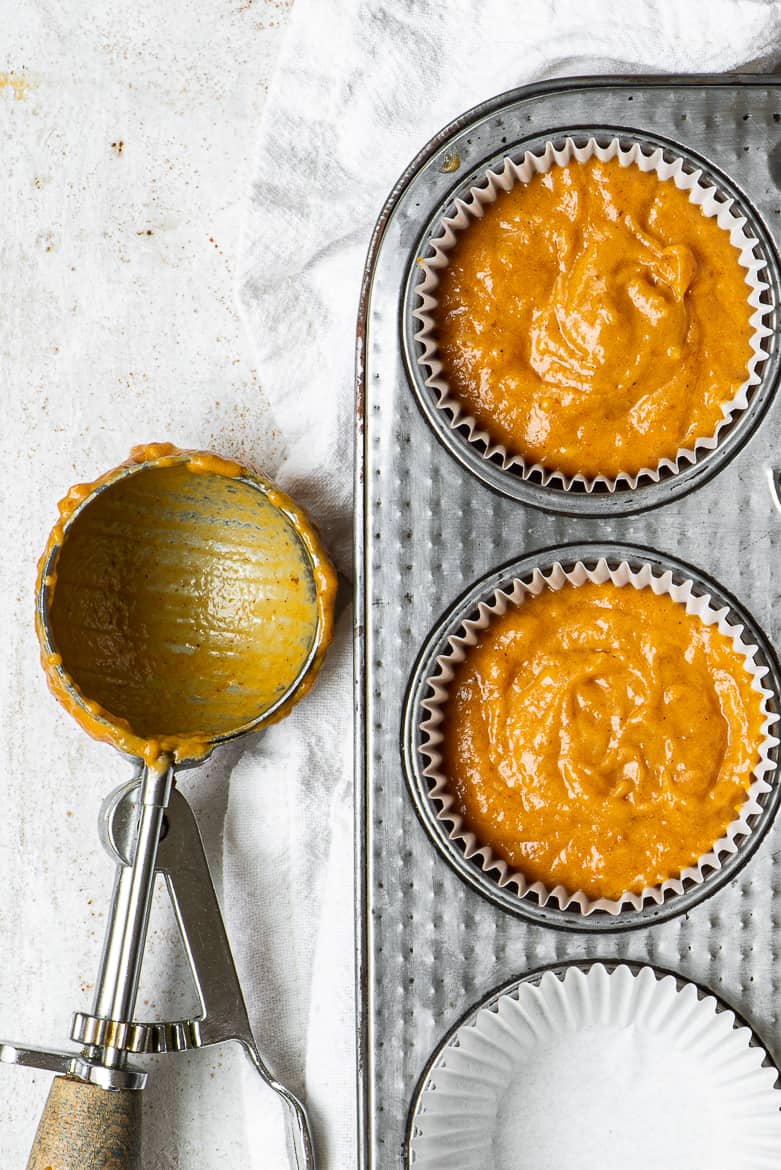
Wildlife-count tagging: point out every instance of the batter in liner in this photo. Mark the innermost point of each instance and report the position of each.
(594, 320)
(601, 738)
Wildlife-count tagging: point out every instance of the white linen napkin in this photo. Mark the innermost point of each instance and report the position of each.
(361, 85)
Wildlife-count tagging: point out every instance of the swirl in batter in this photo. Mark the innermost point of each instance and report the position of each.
(601, 738)
(594, 320)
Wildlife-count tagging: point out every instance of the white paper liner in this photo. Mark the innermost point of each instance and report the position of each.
(714, 203)
(556, 577)
(595, 1071)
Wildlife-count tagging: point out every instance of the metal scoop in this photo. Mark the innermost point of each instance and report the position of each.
(182, 601)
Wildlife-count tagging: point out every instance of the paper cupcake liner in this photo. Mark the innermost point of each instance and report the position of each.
(587, 1069)
(620, 573)
(714, 202)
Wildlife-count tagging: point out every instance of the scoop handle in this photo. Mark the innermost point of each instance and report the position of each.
(84, 1127)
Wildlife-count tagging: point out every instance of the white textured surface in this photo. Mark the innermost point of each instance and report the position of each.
(118, 325)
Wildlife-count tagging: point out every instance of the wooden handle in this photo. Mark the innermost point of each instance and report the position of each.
(84, 1127)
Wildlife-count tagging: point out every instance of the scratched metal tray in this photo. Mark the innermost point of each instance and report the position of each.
(430, 945)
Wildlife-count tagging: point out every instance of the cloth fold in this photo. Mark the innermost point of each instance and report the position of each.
(361, 85)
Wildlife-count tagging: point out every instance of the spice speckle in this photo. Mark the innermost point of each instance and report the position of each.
(17, 84)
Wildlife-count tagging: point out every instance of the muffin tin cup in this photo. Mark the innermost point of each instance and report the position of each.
(652, 1041)
(714, 202)
(425, 715)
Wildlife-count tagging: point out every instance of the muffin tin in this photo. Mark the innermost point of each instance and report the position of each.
(430, 945)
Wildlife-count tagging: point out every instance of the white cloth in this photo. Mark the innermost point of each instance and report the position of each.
(361, 85)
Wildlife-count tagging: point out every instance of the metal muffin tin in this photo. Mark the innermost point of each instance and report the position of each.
(430, 946)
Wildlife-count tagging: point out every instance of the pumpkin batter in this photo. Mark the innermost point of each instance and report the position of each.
(185, 597)
(600, 738)
(594, 320)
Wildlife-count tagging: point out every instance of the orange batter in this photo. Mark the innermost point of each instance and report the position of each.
(594, 320)
(601, 738)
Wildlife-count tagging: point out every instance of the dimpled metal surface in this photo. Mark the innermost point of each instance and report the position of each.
(430, 946)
